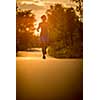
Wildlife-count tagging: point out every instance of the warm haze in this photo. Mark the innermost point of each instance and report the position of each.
(39, 7)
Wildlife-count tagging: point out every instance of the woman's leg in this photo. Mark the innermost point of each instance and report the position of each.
(43, 51)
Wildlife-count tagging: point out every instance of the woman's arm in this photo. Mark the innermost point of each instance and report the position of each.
(38, 27)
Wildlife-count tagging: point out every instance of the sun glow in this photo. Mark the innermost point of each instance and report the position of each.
(35, 31)
(26, 2)
(38, 3)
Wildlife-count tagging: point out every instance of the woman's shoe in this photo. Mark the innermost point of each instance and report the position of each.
(44, 57)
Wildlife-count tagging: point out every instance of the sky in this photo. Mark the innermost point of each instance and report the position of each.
(39, 7)
(39, 4)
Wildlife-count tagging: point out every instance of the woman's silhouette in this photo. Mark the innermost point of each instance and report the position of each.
(43, 35)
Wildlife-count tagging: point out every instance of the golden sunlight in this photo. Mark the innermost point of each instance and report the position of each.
(36, 33)
(27, 29)
(38, 3)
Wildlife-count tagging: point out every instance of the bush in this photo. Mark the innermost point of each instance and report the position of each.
(60, 50)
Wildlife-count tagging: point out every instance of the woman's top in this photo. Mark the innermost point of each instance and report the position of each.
(44, 31)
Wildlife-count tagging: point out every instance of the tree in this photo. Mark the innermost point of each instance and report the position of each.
(79, 7)
(62, 22)
(63, 26)
(24, 29)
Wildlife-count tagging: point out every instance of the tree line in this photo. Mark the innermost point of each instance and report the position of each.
(24, 30)
(64, 26)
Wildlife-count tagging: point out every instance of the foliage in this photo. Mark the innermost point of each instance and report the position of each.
(24, 29)
(65, 32)
(79, 7)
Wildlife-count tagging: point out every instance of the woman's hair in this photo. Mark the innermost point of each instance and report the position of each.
(43, 17)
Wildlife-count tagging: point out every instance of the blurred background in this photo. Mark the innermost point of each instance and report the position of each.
(65, 22)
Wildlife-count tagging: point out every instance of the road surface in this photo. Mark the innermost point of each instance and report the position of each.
(50, 79)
